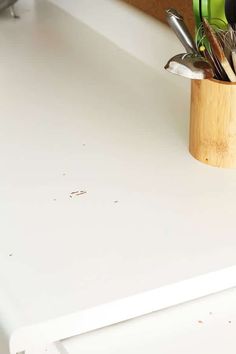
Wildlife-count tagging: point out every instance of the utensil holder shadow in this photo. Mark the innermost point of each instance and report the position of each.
(213, 122)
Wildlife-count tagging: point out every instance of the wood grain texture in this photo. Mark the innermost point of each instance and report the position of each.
(156, 8)
(213, 123)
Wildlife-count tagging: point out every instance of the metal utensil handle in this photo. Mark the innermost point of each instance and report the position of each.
(178, 25)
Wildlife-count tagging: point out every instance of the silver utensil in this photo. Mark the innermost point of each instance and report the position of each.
(191, 66)
(178, 25)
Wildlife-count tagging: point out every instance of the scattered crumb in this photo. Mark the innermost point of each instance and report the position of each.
(76, 193)
(200, 321)
(11, 254)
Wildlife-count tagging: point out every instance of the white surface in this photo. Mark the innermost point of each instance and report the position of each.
(205, 326)
(52, 348)
(127, 27)
(77, 113)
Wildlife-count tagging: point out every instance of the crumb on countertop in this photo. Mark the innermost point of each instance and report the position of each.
(77, 193)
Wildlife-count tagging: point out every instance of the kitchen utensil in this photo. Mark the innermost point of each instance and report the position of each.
(197, 13)
(220, 74)
(206, 51)
(228, 43)
(218, 50)
(230, 12)
(178, 25)
(191, 66)
(213, 10)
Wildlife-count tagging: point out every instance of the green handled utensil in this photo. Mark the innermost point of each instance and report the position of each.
(197, 13)
(213, 10)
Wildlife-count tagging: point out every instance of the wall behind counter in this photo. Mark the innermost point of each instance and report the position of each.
(156, 8)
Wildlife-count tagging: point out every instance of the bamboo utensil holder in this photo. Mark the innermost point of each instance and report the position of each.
(213, 122)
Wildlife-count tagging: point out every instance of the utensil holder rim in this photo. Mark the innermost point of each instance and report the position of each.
(227, 83)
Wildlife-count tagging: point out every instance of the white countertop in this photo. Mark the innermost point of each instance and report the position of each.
(204, 326)
(79, 114)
